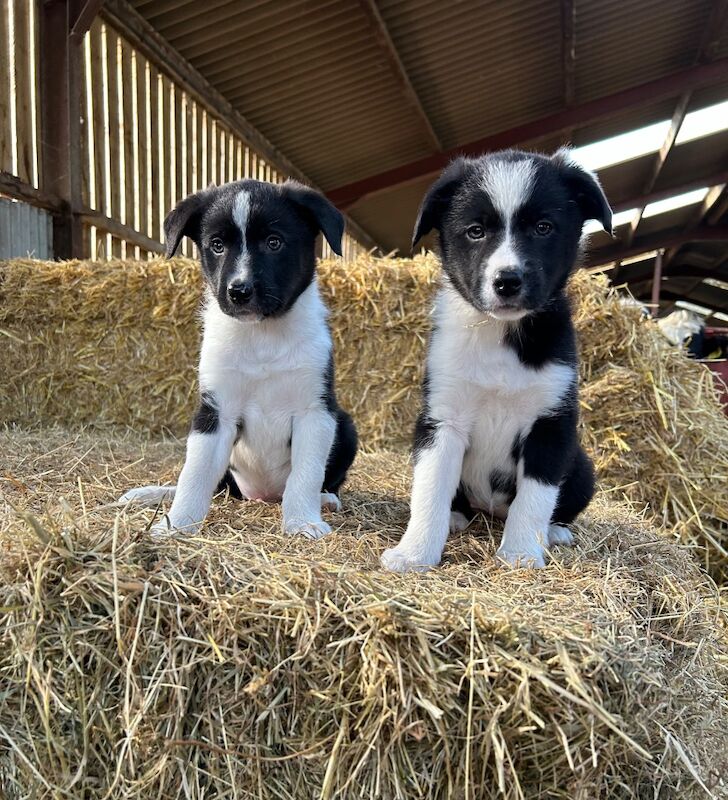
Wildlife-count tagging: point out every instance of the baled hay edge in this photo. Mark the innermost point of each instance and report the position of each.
(126, 337)
(241, 663)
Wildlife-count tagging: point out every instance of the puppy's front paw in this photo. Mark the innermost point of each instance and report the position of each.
(147, 496)
(397, 559)
(166, 527)
(161, 529)
(519, 559)
(310, 530)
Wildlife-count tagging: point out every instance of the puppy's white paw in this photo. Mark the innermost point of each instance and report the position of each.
(399, 560)
(535, 559)
(165, 528)
(161, 529)
(330, 502)
(560, 534)
(147, 496)
(310, 530)
(458, 521)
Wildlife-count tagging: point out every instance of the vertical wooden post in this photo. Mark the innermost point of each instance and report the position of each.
(656, 281)
(62, 25)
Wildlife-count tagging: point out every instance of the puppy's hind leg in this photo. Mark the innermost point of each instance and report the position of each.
(461, 512)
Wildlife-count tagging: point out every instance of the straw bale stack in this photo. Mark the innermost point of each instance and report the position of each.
(240, 663)
(116, 343)
(652, 420)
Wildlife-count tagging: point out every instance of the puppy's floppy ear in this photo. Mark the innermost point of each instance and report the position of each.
(585, 188)
(184, 220)
(438, 197)
(315, 207)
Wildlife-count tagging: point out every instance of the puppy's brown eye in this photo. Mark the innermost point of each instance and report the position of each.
(274, 242)
(217, 246)
(476, 232)
(544, 227)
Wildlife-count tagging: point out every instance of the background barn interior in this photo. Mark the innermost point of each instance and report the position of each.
(240, 664)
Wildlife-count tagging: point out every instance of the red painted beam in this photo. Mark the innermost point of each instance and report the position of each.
(647, 93)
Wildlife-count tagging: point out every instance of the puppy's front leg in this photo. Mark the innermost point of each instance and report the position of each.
(312, 437)
(434, 483)
(540, 471)
(208, 455)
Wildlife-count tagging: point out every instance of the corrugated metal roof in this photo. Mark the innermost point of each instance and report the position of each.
(312, 77)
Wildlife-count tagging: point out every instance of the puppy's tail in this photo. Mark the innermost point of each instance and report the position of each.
(147, 496)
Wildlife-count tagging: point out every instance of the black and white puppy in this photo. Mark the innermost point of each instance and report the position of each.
(498, 427)
(268, 426)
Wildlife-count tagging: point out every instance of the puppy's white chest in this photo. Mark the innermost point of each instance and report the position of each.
(261, 457)
(478, 382)
(262, 377)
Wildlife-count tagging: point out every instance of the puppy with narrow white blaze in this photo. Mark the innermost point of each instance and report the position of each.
(498, 427)
(268, 426)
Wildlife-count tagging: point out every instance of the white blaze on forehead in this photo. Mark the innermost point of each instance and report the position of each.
(241, 211)
(509, 185)
(241, 214)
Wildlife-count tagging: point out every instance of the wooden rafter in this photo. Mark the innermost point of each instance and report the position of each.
(716, 200)
(696, 182)
(708, 42)
(656, 241)
(144, 37)
(391, 56)
(568, 56)
(553, 124)
(675, 124)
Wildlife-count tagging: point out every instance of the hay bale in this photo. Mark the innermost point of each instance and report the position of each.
(653, 422)
(99, 343)
(123, 339)
(241, 663)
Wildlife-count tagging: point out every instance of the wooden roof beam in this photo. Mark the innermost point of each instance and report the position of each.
(656, 241)
(706, 48)
(675, 124)
(568, 56)
(716, 200)
(590, 112)
(145, 38)
(391, 57)
(699, 182)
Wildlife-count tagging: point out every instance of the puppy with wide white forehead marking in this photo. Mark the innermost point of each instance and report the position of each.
(498, 426)
(268, 426)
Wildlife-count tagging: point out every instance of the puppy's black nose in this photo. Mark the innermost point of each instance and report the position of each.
(507, 283)
(240, 292)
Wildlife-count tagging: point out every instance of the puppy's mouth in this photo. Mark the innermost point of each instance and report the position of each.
(507, 312)
(253, 311)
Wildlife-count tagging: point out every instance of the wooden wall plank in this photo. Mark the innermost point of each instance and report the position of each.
(23, 97)
(212, 149)
(166, 150)
(35, 78)
(191, 154)
(177, 155)
(157, 173)
(142, 121)
(114, 133)
(199, 157)
(6, 151)
(129, 124)
(97, 129)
